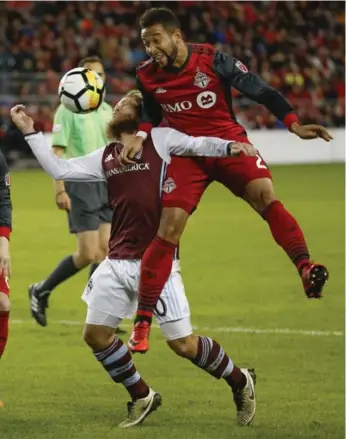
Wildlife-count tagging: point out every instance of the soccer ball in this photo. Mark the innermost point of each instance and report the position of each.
(81, 90)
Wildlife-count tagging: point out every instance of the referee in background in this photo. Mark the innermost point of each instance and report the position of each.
(89, 214)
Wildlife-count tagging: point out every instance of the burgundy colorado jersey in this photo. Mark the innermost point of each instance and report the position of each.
(196, 98)
(134, 193)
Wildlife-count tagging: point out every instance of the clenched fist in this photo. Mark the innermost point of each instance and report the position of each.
(129, 151)
(22, 121)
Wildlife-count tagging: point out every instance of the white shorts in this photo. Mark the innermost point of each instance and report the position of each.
(111, 295)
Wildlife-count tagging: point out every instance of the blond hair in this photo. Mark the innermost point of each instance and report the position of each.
(135, 93)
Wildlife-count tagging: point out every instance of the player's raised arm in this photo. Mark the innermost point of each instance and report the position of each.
(168, 142)
(252, 86)
(86, 168)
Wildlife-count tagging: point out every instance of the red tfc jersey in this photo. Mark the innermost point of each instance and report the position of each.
(196, 98)
(134, 193)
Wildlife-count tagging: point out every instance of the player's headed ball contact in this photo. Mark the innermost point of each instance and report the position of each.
(81, 90)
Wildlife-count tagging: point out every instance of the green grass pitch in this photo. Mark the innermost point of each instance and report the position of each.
(235, 276)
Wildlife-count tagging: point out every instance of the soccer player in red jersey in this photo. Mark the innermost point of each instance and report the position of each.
(135, 195)
(5, 230)
(189, 85)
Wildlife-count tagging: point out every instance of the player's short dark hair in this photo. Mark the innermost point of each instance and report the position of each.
(163, 16)
(89, 60)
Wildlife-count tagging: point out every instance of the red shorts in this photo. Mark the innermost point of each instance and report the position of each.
(187, 178)
(4, 286)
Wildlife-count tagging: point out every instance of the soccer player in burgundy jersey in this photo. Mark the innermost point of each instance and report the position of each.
(135, 195)
(190, 86)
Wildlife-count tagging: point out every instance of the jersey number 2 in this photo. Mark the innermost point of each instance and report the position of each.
(259, 163)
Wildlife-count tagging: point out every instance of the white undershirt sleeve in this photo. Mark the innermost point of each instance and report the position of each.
(168, 141)
(86, 168)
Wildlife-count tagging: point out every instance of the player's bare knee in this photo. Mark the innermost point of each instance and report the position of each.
(98, 337)
(185, 347)
(88, 256)
(264, 199)
(88, 336)
(172, 224)
(103, 252)
(99, 257)
(259, 194)
(5, 303)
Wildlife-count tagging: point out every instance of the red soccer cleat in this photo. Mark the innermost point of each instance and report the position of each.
(139, 340)
(314, 276)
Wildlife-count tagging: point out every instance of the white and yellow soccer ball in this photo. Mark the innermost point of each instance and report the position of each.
(81, 90)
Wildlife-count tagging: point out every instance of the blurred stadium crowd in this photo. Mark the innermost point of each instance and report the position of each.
(296, 46)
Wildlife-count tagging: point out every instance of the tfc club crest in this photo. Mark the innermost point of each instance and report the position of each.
(241, 66)
(169, 186)
(201, 80)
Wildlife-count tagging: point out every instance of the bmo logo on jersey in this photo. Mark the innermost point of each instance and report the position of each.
(177, 107)
(206, 99)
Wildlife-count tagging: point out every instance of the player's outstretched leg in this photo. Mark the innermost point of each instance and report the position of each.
(208, 355)
(287, 234)
(156, 268)
(116, 359)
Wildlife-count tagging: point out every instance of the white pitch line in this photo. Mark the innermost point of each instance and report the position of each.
(284, 331)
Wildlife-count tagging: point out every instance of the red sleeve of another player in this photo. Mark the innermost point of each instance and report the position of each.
(145, 127)
(289, 119)
(5, 231)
